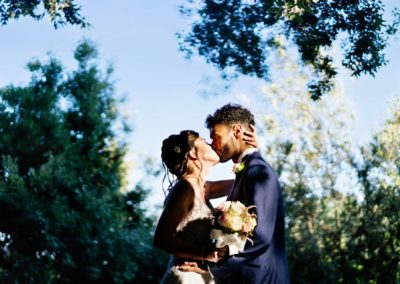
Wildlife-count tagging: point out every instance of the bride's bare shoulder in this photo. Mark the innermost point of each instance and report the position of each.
(181, 191)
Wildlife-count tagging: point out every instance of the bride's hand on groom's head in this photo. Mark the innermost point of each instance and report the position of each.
(250, 137)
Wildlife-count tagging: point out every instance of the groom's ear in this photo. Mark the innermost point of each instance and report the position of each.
(237, 130)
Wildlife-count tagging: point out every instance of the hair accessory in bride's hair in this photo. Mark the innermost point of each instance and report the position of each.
(174, 152)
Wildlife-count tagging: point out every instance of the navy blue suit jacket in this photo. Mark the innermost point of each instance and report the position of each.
(265, 260)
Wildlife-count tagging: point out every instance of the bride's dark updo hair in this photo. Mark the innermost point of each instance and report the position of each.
(175, 151)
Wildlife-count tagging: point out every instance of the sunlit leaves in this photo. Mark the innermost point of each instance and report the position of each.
(60, 12)
(237, 36)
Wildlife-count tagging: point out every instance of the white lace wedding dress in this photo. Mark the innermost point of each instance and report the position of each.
(195, 229)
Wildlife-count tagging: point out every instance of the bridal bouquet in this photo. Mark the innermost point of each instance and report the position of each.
(233, 224)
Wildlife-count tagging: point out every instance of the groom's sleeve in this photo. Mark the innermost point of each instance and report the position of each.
(261, 190)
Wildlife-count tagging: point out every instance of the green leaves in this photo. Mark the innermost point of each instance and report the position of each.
(341, 202)
(60, 12)
(235, 36)
(62, 209)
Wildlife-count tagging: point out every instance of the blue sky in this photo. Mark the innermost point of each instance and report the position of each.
(162, 88)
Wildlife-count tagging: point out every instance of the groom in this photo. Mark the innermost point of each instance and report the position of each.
(264, 260)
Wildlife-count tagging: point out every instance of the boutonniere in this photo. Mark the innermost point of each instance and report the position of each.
(237, 168)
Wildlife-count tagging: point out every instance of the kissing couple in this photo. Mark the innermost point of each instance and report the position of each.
(184, 226)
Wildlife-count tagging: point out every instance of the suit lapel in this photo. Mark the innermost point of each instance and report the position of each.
(234, 195)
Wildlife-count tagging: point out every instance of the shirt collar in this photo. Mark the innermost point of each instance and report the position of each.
(247, 152)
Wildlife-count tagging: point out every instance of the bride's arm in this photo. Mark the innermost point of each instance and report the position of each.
(166, 237)
(216, 189)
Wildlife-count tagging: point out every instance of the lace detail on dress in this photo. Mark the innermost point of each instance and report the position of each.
(199, 211)
(195, 229)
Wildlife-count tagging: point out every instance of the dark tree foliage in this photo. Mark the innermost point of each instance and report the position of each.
(239, 37)
(376, 238)
(63, 217)
(61, 12)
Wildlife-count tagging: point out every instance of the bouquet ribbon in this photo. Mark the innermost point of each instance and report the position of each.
(232, 240)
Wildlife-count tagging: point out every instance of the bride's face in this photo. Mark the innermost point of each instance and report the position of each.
(204, 151)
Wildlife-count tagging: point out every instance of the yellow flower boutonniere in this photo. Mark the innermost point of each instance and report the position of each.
(237, 168)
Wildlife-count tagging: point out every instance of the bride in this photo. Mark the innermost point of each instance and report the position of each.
(184, 226)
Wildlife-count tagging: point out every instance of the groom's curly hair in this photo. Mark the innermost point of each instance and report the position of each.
(230, 114)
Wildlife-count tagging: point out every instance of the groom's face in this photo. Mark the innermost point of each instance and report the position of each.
(222, 142)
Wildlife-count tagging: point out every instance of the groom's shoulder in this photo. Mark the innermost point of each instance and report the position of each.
(257, 159)
(258, 163)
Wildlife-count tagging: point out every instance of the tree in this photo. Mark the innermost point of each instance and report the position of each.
(61, 12)
(342, 202)
(238, 36)
(376, 237)
(64, 215)
(309, 145)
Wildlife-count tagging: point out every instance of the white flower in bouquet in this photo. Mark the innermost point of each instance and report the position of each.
(233, 224)
(236, 208)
